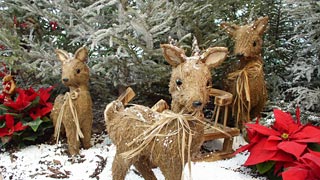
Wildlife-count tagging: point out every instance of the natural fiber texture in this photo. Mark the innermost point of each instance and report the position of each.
(168, 138)
(242, 98)
(155, 137)
(156, 130)
(74, 109)
(68, 97)
(247, 84)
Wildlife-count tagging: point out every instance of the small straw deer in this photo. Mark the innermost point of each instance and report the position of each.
(129, 128)
(74, 109)
(247, 83)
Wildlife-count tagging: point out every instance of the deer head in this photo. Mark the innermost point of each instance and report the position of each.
(75, 72)
(191, 76)
(248, 38)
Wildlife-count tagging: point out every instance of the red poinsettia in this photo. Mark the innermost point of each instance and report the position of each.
(10, 127)
(285, 141)
(308, 167)
(24, 99)
(44, 106)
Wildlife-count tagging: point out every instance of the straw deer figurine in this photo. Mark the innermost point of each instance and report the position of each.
(247, 84)
(74, 109)
(129, 128)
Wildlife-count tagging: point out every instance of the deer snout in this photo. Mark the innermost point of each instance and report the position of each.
(196, 104)
(65, 79)
(240, 55)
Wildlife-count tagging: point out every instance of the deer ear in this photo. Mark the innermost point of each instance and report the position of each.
(173, 55)
(62, 55)
(213, 57)
(229, 28)
(81, 54)
(260, 25)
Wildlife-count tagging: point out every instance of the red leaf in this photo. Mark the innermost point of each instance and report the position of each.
(283, 120)
(307, 134)
(292, 147)
(295, 173)
(263, 130)
(312, 159)
(272, 143)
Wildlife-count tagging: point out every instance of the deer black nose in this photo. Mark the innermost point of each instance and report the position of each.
(196, 103)
(65, 79)
(239, 55)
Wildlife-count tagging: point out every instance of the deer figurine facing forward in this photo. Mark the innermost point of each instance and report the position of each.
(74, 109)
(189, 87)
(247, 83)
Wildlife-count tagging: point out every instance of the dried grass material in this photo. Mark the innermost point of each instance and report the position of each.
(156, 130)
(249, 89)
(68, 97)
(146, 138)
(78, 118)
(242, 97)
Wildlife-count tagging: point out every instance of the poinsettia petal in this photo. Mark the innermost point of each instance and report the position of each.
(258, 154)
(9, 121)
(283, 119)
(295, 173)
(282, 156)
(308, 133)
(242, 149)
(263, 129)
(46, 110)
(292, 147)
(4, 132)
(44, 94)
(312, 160)
(19, 127)
(272, 143)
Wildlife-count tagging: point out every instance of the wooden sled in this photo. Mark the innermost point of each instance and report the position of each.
(215, 131)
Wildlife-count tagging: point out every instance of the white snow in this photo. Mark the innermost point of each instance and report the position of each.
(40, 161)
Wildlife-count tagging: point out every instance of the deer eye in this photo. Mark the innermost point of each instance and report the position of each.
(78, 71)
(254, 43)
(179, 82)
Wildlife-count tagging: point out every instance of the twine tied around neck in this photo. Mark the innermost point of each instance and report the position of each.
(242, 96)
(68, 97)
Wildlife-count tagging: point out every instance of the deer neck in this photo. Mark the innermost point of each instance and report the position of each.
(248, 60)
(81, 88)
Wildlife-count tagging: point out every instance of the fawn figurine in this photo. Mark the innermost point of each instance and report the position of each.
(189, 86)
(247, 83)
(74, 109)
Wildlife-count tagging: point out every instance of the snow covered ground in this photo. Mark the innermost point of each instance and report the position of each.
(51, 162)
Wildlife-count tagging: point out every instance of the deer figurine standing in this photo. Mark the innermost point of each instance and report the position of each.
(247, 83)
(189, 86)
(74, 109)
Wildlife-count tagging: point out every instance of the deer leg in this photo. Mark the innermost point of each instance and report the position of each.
(144, 167)
(172, 171)
(86, 128)
(71, 132)
(119, 168)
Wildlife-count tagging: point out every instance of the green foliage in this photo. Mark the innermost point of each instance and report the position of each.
(124, 39)
(265, 167)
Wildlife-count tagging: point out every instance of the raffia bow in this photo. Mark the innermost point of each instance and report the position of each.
(68, 97)
(242, 96)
